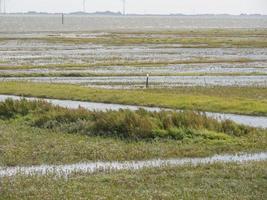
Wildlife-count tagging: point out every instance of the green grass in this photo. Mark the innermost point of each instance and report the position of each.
(243, 100)
(220, 181)
(43, 135)
(22, 144)
(126, 124)
(38, 133)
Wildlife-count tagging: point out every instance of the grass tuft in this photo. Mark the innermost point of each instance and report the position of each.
(124, 124)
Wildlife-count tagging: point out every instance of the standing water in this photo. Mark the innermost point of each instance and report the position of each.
(64, 170)
(253, 121)
(43, 23)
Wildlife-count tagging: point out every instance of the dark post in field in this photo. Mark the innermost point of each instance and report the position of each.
(62, 18)
(147, 77)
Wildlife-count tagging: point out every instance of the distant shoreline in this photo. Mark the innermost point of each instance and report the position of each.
(109, 13)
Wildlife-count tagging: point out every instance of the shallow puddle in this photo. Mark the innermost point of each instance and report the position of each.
(93, 167)
(41, 52)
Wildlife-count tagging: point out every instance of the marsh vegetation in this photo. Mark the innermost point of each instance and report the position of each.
(239, 100)
(42, 133)
(119, 59)
(219, 181)
(229, 64)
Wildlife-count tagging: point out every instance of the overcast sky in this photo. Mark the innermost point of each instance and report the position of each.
(142, 6)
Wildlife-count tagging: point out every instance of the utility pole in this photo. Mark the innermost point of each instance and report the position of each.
(124, 7)
(84, 6)
(4, 6)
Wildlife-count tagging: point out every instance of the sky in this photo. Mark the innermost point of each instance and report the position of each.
(142, 6)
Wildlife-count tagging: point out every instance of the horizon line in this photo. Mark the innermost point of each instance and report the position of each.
(129, 14)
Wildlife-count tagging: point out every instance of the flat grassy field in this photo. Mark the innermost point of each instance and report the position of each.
(240, 100)
(221, 181)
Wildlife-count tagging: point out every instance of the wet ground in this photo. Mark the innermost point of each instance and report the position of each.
(212, 68)
(26, 41)
(36, 52)
(65, 170)
(125, 82)
(162, 61)
(228, 57)
(252, 121)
